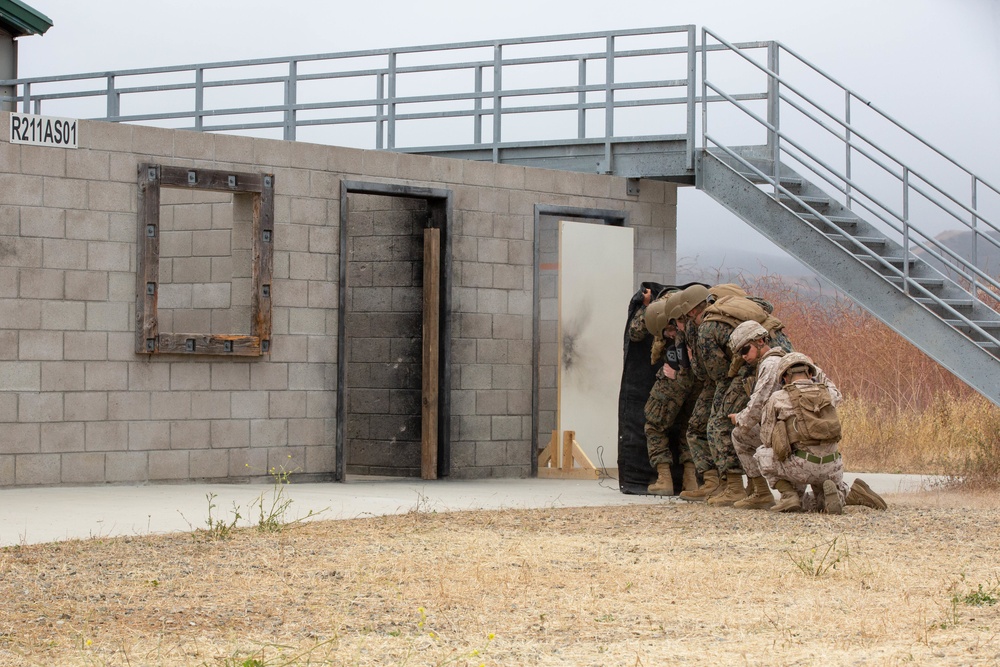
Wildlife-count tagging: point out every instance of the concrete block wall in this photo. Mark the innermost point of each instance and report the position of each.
(78, 406)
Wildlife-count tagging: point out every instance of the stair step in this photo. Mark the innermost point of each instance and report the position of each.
(865, 240)
(929, 283)
(895, 261)
(789, 182)
(815, 202)
(954, 303)
(840, 221)
(982, 324)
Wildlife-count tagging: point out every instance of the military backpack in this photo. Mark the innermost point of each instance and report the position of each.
(815, 418)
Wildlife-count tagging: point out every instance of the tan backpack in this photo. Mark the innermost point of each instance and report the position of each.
(734, 310)
(816, 418)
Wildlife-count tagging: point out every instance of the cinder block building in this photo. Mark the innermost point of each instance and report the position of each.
(177, 305)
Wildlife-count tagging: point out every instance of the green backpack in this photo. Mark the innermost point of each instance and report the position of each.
(816, 418)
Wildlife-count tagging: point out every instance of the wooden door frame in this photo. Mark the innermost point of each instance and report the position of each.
(439, 208)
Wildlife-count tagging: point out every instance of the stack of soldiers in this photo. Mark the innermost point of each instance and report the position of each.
(729, 377)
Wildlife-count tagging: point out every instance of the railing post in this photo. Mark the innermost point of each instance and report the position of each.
(199, 98)
(497, 99)
(773, 117)
(379, 111)
(704, 89)
(391, 138)
(975, 236)
(692, 77)
(609, 102)
(477, 105)
(26, 99)
(581, 114)
(290, 100)
(849, 201)
(906, 230)
(113, 99)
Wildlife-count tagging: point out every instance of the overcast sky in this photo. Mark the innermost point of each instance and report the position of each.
(932, 64)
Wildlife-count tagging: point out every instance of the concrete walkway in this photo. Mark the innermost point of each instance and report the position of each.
(35, 515)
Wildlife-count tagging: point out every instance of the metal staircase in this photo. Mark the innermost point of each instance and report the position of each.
(803, 189)
(804, 160)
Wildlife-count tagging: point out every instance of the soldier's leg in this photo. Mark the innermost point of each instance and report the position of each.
(720, 429)
(697, 439)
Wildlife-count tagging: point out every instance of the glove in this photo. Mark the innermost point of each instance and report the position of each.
(779, 442)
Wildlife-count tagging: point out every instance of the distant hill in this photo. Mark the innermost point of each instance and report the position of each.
(960, 241)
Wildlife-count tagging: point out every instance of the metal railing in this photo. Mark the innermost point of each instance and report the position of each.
(473, 91)
(804, 148)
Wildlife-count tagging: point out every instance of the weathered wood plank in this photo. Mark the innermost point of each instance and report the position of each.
(147, 258)
(211, 179)
(193, 343)
(431, 354)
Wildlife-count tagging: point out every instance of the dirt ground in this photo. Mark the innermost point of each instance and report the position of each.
(674, 583)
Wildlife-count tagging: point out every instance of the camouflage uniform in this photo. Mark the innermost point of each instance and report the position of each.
(697, 428)
(670, 402)
(746, 433)
(713, 354)
(799, 472)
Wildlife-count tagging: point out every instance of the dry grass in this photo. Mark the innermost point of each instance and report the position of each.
(639, 585)
(903, 412)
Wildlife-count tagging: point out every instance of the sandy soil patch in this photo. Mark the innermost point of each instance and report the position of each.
(674, 583)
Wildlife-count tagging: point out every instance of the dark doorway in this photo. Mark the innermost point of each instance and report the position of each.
(392, 407)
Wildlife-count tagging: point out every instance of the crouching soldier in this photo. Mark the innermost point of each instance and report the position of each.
(800, 432)
(671, 399)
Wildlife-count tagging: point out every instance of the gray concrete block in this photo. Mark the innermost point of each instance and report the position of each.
(149, 435)
(40, 407)
(86, 286)
(169, 465)
(230, 434)
(190, 435)
(128, 405)
(22, 438)
(208, 464)
(170, 405)
(126, 466)
(106, 436)
(83, 468)
(210, 405)
(32, 469)
(249, 404)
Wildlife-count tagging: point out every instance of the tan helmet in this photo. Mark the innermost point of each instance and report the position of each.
(744, 333)
(688, 298)
(795, 361)
(656, 316)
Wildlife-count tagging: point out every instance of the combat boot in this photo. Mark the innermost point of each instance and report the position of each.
(711, 483)
(831, 494)
(789, 498)
(862, 494)
(760, 497)
(664, 484)
(732, 492)
(690, 482)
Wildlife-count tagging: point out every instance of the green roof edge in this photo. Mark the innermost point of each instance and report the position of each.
(22, 19)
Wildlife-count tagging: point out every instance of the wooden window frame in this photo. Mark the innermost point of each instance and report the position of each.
(148, 339)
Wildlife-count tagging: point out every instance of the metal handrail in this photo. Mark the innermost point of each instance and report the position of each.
(856, 141)
(858, 244)
(858, 188)
(384, 108)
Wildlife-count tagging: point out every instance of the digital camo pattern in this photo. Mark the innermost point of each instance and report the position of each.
(746, 433)
(670, 404)
(801, 473)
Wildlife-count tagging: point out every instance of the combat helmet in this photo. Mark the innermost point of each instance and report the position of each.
(744, 333)
(656, 315)
(796, 361)
(688, 298)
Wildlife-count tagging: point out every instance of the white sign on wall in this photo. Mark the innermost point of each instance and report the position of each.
(26, 128)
